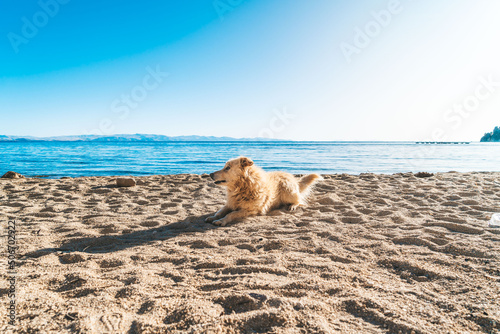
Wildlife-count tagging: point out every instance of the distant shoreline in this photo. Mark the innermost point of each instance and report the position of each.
(171, 139)
(249, 140)
(128, 138)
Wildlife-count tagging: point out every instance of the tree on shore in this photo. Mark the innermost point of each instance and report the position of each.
(492, 136)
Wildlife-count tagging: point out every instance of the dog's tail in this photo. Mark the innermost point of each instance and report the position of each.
(306, 182)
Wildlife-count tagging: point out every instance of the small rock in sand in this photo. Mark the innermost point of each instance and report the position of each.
(12, 175)
(423, 174)
(125, 182)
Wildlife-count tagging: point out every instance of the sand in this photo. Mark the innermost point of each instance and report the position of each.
(370, 254)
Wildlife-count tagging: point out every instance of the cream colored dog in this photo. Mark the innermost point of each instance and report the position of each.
(251, 191)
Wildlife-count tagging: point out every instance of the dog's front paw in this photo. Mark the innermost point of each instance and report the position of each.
(293, 207)
(220, 222)
(210, 219)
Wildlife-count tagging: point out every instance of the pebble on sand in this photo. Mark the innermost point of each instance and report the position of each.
(424, 174)
(12, 175)
(125, 182)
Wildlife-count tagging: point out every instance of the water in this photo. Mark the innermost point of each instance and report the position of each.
(58, 159)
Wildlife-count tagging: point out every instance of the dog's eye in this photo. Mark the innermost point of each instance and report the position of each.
(227, 168)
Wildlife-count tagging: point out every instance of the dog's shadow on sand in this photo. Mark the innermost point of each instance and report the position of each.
(114, 243)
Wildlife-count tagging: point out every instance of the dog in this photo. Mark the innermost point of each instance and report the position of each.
(252, 191)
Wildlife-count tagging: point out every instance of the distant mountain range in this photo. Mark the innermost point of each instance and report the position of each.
(493, 136)
(128, 137)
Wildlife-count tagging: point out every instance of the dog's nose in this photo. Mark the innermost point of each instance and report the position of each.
(212, 175)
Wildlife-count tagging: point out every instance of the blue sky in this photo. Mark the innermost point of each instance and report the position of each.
(302, 70)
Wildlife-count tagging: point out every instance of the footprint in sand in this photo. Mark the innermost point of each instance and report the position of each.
(217, 286)
(108, 229)
(235, 303)
(265, 321)
(146, 307)
(36, 195)
(469, 202)
(474, 213)
(126, 292)
(210, 265)
(198, 244)
(440, 241)
(14, 204)
(365, 211)
(467, 194)
(111, 263)
(241, 270)
(70, 282)
(412, 240)
(111, 323)
(169, 205)
(451, 218)
(49, 209)
(101, 191)
(71, 258)
(353, 220)
(42, 214)
(460, 228)
(64, 229)
(71, 197)
(249, 247)
(191, 312)
(149, 223)
(173, 277)
(171, 212)
(153, 200)
(484, 208)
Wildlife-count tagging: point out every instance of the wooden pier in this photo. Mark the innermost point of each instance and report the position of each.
(443, 142)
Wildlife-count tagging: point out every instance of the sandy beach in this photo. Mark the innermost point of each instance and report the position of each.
(370, 254)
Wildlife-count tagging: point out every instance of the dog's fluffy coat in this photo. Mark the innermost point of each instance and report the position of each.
(252, 191)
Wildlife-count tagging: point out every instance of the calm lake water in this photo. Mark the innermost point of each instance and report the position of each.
(58, 159)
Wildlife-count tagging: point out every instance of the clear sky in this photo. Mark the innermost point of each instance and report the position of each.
(302, 70)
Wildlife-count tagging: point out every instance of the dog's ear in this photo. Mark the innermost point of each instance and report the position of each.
(245, 162)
